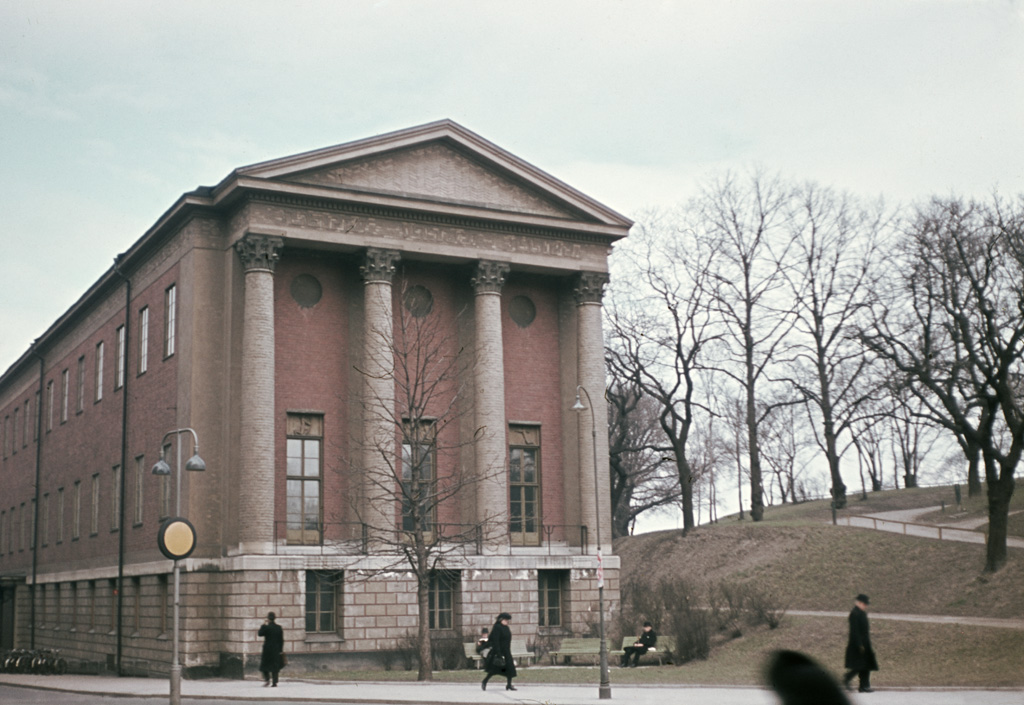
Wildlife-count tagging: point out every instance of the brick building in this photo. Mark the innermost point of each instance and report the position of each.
(266, 313)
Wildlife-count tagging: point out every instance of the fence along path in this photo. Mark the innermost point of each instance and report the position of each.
(901, 522)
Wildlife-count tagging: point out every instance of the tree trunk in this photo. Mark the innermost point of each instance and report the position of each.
(425, 672)
(1000, 490)
(686, 490)
(756, 486)
(973, 476)
(909, 480)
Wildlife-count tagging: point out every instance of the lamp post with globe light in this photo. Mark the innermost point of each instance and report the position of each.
(177, 538)
(604, 690)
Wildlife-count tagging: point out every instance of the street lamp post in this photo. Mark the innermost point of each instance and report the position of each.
(604, 690)
(162, 468)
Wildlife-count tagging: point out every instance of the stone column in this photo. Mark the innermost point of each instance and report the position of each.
(259, 255)
(489, 397)
(589, 291)
(379, 430)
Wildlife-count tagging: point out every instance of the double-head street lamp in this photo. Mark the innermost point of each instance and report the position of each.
(177, 537)
(604, 690)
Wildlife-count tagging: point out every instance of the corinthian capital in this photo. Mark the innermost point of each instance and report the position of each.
(489, 276)
(379, 265)
(589, 287)
(259, 251)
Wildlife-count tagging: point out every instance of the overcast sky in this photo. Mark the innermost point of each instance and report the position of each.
(110, 110)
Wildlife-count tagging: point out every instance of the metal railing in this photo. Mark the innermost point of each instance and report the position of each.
(356, 538)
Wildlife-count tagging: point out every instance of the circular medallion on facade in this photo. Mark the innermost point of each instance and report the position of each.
(522, 310)
(176, 538)
(418, 301)
(306, 290)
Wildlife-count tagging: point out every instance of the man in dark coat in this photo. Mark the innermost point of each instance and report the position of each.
(644, 643)
(273, 648)
(499, 658)
(860, 657)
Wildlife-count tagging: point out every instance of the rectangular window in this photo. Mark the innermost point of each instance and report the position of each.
(524, 485)
(165, 487)
(28, 423)
(49, 405)
(64, 384)
(74, 606)
(323, 599)
(60, 515)
(3, 529)
(164, 585)
(119, 372)
(112, 591)
(136, 605)
(32, 524)
(92, 605)
(21, 526)
(14, 431)
(442, 593)
(99, 371)
(44, 520)
(35, 419)
(76, 510)
(144, 340)
(418, 496)
(80, 398)
(552, 586)
(170, 322)
(94, 517)
(140, 473)
(115, 498)
(3, 441)
(304, 477)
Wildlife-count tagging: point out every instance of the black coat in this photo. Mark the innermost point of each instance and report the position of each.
(646, 640)
(500, 642)
(859, 654)
(273, 647)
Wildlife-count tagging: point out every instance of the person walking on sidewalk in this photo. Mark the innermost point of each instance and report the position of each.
(273, 648)
(499, 658)
(644, 643)
(860, 657)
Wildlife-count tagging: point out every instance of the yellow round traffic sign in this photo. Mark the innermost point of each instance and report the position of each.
(177, 538)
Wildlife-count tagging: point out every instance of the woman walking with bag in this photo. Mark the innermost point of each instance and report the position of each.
(499, 658)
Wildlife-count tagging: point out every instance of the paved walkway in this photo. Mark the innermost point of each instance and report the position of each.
(470, 693)
(902, 521)
(929, 618)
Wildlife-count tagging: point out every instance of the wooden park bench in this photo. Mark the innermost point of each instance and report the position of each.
(519, 653)
(573, 646)
(660, 651)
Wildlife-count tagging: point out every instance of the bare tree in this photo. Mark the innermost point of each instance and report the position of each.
(417, 479)
(953, 326)
(742, 222)
(660, 334)
(782, 440)
(641, 479)
(830, 272)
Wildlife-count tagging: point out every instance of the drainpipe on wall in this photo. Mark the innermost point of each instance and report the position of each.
(36, 539)
(122, 529)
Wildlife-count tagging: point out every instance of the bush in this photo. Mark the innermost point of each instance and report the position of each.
(726, 602)
(447, 652)
(764, 607)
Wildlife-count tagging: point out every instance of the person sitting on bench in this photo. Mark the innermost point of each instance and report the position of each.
(644, 643)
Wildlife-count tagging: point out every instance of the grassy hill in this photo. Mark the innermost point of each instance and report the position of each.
(809, 564)
(796, 551)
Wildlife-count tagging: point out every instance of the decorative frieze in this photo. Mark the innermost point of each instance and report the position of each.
(259, 252)
(489, 276)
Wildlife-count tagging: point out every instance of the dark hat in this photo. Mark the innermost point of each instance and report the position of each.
(863, 598)
(504, 615)
(648, 624)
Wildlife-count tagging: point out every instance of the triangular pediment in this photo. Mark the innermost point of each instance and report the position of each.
(437, 172)
(441, 163)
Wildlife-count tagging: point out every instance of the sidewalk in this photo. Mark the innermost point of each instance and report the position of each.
(470, 693)
(903, 521)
